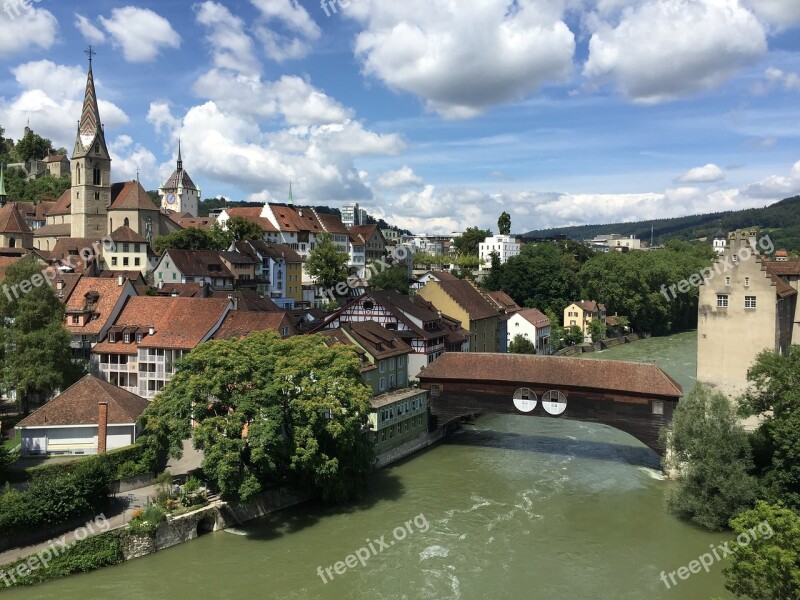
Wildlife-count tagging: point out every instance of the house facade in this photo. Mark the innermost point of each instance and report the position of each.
(582, 313)
(744, 310)
(193, 266)
(533, 325)
(504, 246)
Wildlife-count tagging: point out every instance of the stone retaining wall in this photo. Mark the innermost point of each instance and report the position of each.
(408, 448)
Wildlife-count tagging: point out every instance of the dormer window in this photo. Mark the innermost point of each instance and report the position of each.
(112, 337)
(138, 338)
(126, 338)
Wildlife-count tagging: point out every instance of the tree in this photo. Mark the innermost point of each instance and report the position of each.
(393, 278)
(775, 397)
(573, 336)
(557, 333)
(425, 260)
(268, 412)
(521, 345)
(22, 189)
(504, 224)
(32, 147)
(711, 452)
(6, 460)
(327, 262)
(465, 265)
(597, 329)
(243, 229)
(35, 345)
(190, 238)
(768, 566)
(469, 241)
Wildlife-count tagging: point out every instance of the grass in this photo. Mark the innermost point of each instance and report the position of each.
(15, 441)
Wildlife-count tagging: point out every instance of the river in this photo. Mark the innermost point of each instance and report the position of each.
(511, 507)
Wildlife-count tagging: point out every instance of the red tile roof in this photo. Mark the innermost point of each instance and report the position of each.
(468, 297)
(57, 230)
(63, 205)
(252, 214)
(199, 263)
(331, 223)
(77, 405)
(534, 316)
(504, 301)
(377, 340)
(248, 300)
(552, 372)
(96, 295)
(130, 195)
(789, 267)
(12, 221)
(126, 234)
(180, 323)
(240, 323)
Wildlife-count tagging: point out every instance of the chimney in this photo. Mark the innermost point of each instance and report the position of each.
(121, 280)
(102, 426)
(235, 300)
(60, 284)
(160, 284)
(152, 330)
(300, 212)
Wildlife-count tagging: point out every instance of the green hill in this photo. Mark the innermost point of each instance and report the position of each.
(781, 220)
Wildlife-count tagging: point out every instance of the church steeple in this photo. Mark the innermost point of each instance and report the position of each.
(180, 160)
(90, 129)
(290, 202)
(2, 187)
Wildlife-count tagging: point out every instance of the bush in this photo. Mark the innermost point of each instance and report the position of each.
(146, 522)
(123, 462)
(85, 555)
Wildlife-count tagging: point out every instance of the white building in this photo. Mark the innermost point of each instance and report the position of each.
(615, 241)
(504, 245)
(533, 325)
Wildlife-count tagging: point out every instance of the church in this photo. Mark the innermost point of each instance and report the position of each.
(94, 207)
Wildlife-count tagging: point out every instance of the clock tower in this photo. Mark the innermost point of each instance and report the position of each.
(179, 193)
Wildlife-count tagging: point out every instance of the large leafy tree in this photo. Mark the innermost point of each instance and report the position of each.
(469, 241)
(243, 229)
(504, 224)
(190, 238)
(711, 452)
(327, 262)
(393, 278)
(768, 566)
(36, 356)
(521, 345)
(19, 188)
(775, 396)
(32, 147)
(269, 412)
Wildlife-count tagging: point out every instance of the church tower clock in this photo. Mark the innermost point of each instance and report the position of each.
(179, 193)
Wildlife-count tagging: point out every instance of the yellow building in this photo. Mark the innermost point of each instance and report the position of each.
(128, 253)
(460, 300)
(582, 313)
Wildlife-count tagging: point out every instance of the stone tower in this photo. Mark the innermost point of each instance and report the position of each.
(180, 193)
(91, 169)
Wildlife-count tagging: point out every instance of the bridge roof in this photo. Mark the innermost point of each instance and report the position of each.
(645, 379)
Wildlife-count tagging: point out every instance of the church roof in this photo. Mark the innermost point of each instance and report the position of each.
(179, 177)
(130, 195)
(11, 221)
(126, 234)
(62, 206)
(54, 230)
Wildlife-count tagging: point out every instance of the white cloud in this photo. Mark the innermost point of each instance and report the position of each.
(292, 16)
(709, 173)
(777, 77)
(446, 209)
(462, 60)
(129, 159)
(140, 32)
(23, 29)
(89, 31)
(231, 47)
(51, 98)
(402, 177)
(660, 50)
(781, 13)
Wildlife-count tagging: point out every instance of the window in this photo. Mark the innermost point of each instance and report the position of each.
(137, 261)
(125, 261)
(113, 261)
(127, 338)
(112, 337)
(96, 175)
(138, 338)
(382, 384)
(126, 247)
(136, 247)
(722, 300)
(746, 282)
(383, 366)
(75, 319)
(727, 281)
(749, 301)
(391, 364)
(658, 407)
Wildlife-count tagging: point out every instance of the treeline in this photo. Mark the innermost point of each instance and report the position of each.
(781, 218)
(550, 276)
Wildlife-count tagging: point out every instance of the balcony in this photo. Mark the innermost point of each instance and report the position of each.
(80, 345)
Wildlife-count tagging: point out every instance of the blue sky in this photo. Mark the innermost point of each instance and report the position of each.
(434, 114)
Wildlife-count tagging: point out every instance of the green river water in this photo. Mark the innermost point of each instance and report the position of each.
(512, 507)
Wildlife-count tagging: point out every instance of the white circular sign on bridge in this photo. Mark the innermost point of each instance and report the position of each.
(554, 402)
(525, 400)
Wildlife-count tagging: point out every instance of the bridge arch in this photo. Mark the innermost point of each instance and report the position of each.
(637, 398)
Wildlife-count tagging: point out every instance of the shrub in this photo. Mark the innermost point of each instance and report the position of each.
(148, 521)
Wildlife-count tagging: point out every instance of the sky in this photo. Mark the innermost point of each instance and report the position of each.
(433, 114)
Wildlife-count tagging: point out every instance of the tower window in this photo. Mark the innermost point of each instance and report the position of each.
(97, 148)
(96, 175)
(97, 195)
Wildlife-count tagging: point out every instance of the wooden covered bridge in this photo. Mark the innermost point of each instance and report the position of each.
(637, 398)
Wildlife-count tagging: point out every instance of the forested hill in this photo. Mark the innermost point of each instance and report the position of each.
(781, 220)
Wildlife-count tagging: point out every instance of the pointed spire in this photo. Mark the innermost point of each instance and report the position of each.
(2, 187)
(291, 200)
(90, 128)
(180, 160)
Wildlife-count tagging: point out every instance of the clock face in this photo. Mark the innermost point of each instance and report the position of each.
(171, 199)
